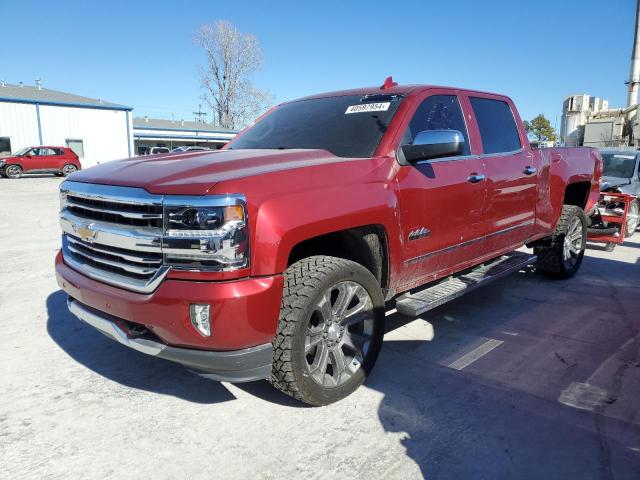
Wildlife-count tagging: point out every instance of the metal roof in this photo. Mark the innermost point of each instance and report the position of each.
(145, 123)
(45, 96)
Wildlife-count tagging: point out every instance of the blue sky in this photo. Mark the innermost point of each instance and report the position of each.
(142, 53)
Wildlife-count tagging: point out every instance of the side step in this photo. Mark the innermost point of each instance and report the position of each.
(414, 304)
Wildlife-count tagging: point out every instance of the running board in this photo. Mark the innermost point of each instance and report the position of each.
(414, 304)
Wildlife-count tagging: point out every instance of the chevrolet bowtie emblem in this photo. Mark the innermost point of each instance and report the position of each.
(86, 232)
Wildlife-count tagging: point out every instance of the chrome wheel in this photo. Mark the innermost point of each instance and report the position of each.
(68, 169)
(13, 171)
(573, 242)
(339, 334)
(632, 218)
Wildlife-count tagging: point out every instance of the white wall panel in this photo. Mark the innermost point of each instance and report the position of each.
(18, 122)
(103, 132)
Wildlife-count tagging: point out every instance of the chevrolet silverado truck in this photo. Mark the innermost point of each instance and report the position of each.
(276, 257)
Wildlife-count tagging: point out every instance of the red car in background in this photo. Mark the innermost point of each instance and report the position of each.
(61, 161)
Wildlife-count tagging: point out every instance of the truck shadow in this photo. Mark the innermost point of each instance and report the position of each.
(503, 416)
(136, 370)
(123, 365)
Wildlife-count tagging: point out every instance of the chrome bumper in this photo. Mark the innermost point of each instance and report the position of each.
(110, 329)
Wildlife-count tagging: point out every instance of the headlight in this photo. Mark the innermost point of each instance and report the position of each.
(206, 233)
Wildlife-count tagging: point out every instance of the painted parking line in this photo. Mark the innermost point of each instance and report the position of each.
(475, 354)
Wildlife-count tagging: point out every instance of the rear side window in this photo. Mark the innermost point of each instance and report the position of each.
(497, 125)
(438, 112)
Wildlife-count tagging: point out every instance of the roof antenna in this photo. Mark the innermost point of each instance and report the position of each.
(388, 83)
(39, 83)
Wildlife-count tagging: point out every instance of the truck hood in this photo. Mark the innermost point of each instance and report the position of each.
(197, 172)
(607, 182)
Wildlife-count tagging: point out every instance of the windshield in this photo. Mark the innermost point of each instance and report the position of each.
(347, 126)
(618, 165)
(22, 151)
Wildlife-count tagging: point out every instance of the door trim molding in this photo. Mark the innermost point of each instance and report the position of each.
(423, 257)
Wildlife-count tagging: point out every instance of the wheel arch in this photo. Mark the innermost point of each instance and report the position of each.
(366, 245)
(577, 194)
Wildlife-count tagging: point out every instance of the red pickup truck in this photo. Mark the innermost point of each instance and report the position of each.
(276, 257)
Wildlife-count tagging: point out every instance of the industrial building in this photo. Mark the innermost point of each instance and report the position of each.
(588, 121)
(98, 131)
(153, 132)
(95, 129)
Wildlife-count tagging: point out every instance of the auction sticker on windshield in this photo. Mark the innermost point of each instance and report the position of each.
(368, 107)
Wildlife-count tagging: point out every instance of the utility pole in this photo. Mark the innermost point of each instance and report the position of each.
(634, 75)
(199, 114)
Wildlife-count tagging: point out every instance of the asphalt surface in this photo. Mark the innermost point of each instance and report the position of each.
(527, 378)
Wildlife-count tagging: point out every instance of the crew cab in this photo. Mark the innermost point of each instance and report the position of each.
(61, 161)
(275, 257)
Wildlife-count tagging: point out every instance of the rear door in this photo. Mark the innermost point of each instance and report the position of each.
(47, 160)
(441, 209)
(511, 171)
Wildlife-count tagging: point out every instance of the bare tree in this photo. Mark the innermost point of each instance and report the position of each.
(231, 59)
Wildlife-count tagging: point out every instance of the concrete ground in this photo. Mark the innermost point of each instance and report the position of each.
(526, 378)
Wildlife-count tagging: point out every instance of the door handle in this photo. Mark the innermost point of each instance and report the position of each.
(475, 178)
(529, 170)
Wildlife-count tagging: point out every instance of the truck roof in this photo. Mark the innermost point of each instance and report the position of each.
(395, 90)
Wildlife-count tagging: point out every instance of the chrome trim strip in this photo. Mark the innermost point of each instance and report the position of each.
(124, 256)
(111, 329)
(420, 258)
(110, 278)
(110, 193)
(121, 213)
(115, 235)
(124, 266)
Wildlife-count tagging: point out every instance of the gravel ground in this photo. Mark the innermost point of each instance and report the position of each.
(555, 395)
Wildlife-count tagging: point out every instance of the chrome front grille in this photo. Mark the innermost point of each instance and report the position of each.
(118, 260)
(113, 234)
(137, 215)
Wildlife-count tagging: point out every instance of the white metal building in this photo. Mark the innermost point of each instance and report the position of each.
(96, 130)
(154, 132)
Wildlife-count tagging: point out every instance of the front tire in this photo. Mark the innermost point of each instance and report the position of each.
(13, 171)
(633, 219)
(563, 256)
(330, 329)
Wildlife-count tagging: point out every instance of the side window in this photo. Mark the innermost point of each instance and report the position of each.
(438, 112)
(5, 145)
(497, 126)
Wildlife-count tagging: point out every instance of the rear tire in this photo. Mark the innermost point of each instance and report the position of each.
(563, 256)
(13, 171)
(68, 169)
(330, 329)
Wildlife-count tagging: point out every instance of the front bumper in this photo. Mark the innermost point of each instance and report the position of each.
(233, 366)
(244, 312)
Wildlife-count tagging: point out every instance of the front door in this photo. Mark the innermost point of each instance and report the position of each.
(441, 200)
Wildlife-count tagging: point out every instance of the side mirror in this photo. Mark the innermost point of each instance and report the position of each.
(430, 144)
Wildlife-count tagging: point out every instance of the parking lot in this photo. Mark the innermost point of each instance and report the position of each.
(526, 378)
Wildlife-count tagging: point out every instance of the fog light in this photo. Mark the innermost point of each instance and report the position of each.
(200, 318)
